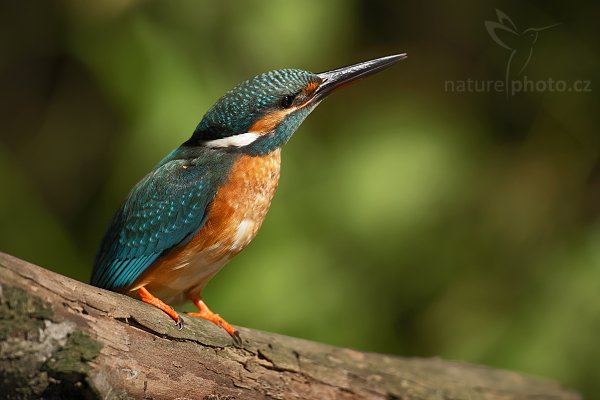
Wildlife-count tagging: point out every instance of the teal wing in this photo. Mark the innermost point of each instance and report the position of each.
(166, 208)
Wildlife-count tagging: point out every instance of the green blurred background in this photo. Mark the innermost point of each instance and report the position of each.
(410, 219)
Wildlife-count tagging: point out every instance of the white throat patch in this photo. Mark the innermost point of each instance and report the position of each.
(243, 139)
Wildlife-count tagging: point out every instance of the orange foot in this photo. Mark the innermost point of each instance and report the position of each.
(147, 297)
(205, 313)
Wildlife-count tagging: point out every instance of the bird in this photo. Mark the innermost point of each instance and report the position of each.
(205, 201)
(520, 43)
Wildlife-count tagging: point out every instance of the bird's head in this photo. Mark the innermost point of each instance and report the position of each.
(532, 34)
(261, 114)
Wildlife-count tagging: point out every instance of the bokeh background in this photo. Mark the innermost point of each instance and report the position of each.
(410, 219)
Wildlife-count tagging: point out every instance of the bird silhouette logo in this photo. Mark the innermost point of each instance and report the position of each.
(520, 43)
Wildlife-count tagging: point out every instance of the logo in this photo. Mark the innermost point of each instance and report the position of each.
(519, 43)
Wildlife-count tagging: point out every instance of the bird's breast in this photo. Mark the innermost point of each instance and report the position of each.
(241, 204)
(234, 217)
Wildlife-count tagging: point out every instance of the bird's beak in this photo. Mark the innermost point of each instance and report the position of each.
(333, 80)
(546, 27)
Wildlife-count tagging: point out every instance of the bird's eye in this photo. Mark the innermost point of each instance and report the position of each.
(287, 101)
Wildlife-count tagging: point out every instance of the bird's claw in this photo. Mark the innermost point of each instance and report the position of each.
(179, 323)
(237, 339)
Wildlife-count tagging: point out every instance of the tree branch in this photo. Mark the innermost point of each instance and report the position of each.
(60, 338)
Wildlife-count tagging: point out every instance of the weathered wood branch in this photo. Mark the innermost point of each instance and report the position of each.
(63, 339)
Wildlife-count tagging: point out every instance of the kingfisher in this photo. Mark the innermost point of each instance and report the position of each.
(205, 201)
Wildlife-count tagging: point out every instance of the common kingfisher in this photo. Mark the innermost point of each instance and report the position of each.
(205, 201)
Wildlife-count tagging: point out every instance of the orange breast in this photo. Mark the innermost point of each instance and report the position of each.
(234, 217)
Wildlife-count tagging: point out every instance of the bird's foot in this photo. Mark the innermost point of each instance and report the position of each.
(205, 313)
(218, 320)
(147, 297)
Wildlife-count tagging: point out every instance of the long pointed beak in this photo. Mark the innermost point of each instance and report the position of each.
(337, 78)
(546, 27)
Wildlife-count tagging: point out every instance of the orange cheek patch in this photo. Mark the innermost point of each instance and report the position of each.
(269, 122)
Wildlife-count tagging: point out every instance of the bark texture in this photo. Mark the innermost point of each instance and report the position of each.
(63, 339)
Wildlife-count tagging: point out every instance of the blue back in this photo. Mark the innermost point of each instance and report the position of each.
(165, 209)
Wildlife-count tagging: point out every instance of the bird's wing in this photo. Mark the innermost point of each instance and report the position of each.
(503, 35)
(166, 208)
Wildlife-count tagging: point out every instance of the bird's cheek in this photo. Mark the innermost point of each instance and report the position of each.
(269, 122)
